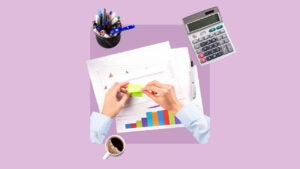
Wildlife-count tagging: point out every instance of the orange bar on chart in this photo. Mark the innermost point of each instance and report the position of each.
(155, 118)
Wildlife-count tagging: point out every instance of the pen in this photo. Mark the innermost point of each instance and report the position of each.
(151, 107)
(112, 16)
(97, 19)
(104, 18)
(98, 28)
(95, 30)
(114, 20)
(100, 16)
(106, 36)
(99, 13)
(94, 25)
(193, 80)
(120, 29)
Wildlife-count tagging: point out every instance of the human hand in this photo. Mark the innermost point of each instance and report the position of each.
(164, 95)
(115, 99)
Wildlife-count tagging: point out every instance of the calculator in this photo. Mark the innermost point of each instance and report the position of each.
(208, 36)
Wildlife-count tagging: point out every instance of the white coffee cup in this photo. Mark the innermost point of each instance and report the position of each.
(114, 146)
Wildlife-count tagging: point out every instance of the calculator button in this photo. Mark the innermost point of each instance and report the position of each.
(201, 55)
(198, 51)
(202, 60)
(215, 44)
(214, 56)
(229, 47)
(205, 48)
(219, 27)
(197, 46)
(203, 43)
(217, 49)
(221, 42)
(207, 53)
(212, 29)
(194, 36)
(214, 40)
(208, 42)
(219, 38)
(226, 40)
(224, 36)
(209, 36)
(222, 31)
(224, 48)
(202, 33)
(208, 58)
(194, 41)
(225, 51)
(220, 54)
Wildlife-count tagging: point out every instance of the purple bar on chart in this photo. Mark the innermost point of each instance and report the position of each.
(144, 122)
(177, 121)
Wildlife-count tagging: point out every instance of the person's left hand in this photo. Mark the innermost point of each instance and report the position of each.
(115, 99)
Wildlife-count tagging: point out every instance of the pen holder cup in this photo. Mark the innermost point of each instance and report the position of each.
(108, 42)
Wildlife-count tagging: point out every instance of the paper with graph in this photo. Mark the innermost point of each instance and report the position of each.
(140, 66)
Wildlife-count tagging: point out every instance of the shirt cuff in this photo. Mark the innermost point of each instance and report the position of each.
(99, 126)
(188, 114)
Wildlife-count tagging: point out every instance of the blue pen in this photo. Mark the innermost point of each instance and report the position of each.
(120, 29)
(100, 16)
(98, 28)
(99, 13)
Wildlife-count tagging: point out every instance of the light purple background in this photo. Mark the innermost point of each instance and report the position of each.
(45, 86)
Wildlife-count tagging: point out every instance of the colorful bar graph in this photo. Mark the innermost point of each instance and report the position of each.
(171, 118)
(177, 121)
(133, 125)
(127, 126)
(159, 118)
(144, 122)
(166, 117)
(155, 118)
(138, 123)
(149, 118)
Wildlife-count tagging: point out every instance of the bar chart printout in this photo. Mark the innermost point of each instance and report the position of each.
(154, 120)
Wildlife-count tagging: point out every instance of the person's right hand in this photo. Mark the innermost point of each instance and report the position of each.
(164, 95)
(112, 103)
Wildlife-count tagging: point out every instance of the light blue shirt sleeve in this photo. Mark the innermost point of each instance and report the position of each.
(196, 122)
(99, 126)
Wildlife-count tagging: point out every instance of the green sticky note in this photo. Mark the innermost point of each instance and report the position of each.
(137, 94)
(135, 90)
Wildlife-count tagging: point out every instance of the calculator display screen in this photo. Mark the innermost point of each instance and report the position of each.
(203, 22)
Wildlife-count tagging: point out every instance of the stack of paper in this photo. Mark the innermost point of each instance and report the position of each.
(141, 66)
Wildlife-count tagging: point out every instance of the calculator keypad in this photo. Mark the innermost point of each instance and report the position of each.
(211, 44)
